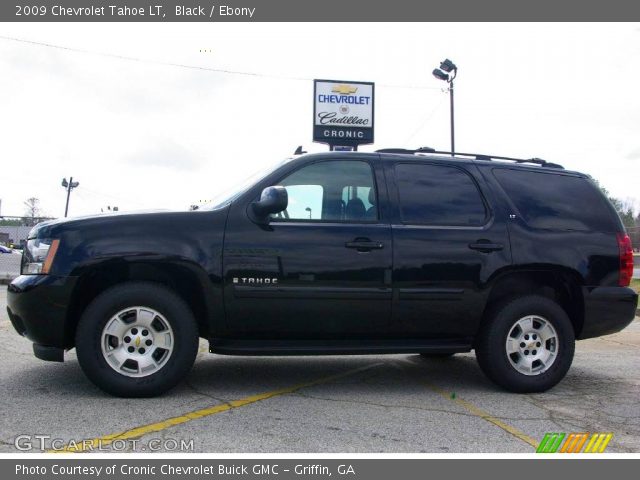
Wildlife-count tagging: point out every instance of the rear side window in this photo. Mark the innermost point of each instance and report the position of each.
(438, 195)
(557, 202)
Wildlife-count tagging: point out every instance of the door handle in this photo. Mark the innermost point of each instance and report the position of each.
(364, 244)
(486, 246)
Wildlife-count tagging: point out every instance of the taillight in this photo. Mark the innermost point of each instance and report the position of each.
(626, 260)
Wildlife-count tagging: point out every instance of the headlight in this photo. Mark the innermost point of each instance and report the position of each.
(38, 256)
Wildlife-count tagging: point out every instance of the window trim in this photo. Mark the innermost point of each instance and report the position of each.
(488, 213)
(281, 221)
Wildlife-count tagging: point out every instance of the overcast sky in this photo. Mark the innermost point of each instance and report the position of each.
(142, 134)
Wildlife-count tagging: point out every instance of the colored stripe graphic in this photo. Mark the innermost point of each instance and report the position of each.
(550, 442)
(580, 442)
(574, 442)
(598, 442)
(553, 442)
(569, 443)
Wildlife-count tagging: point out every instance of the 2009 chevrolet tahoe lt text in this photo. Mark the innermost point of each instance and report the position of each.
(338, 253)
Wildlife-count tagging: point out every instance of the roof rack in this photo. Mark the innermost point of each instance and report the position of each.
(407, 150)
(475, 156)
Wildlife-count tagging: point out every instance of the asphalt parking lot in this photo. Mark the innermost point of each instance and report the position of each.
(399, 403)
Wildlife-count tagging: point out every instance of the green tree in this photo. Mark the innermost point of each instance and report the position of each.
(5, 222)
(623, 207)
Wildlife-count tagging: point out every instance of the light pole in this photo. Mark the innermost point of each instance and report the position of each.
(70, 185)
(447, 72)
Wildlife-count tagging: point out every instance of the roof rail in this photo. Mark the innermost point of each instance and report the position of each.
(475, 156)
(407, 150)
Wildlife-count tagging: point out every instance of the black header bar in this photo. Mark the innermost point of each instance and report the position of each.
(316, 11)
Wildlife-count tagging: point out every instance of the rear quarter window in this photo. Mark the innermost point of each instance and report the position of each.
(557, 202)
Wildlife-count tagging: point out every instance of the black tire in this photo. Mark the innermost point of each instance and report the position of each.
(437, 356)
(130, 294)
(491, 351)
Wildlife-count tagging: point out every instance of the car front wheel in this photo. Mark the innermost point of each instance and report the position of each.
(137, 339)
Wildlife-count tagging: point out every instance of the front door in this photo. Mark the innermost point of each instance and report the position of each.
(322, 267)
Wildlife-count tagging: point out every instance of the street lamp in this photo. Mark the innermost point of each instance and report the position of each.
(447, 73)
(70, 185)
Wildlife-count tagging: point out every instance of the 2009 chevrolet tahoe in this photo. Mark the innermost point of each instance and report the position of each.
(338, 253)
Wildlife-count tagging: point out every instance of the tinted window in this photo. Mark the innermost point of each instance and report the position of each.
(331, 191)
(363, 193)
(552, 201)
(438, 195)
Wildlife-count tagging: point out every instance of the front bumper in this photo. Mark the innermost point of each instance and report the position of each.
(607, 310)
(38, 307)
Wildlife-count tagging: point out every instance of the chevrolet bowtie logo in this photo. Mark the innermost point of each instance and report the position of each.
(344, 89)
(137, 341)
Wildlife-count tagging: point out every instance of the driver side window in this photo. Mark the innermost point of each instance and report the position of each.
(331, 191)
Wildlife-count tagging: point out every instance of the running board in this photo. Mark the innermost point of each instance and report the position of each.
(226, 346)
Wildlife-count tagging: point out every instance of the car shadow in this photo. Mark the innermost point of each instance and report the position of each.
(231, 377)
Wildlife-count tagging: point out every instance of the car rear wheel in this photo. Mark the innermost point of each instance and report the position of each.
(137, 340)
(526, 344)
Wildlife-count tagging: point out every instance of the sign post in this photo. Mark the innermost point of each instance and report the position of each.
(343, 113)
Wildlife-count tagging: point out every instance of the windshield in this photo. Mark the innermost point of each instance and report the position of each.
(228, 195)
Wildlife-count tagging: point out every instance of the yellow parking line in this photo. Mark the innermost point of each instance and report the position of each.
(90, 444)
(478, 412)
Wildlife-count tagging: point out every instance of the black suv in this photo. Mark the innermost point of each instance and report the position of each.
(397, 251)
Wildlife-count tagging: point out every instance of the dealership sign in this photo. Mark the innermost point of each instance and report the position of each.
(342, 112)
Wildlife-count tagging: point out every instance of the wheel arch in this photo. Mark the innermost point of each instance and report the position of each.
(562, 285)
(184, 278)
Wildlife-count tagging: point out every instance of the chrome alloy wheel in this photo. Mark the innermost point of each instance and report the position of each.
(137, 341)
(532, 345)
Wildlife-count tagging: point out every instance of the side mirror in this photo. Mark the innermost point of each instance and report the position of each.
(272, 200)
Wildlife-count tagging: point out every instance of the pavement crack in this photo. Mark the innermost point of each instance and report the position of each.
(410, 407)
(196, 390)
(618, 343)
(7, 443)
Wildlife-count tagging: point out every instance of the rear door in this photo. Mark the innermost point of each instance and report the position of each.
(449, 238)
